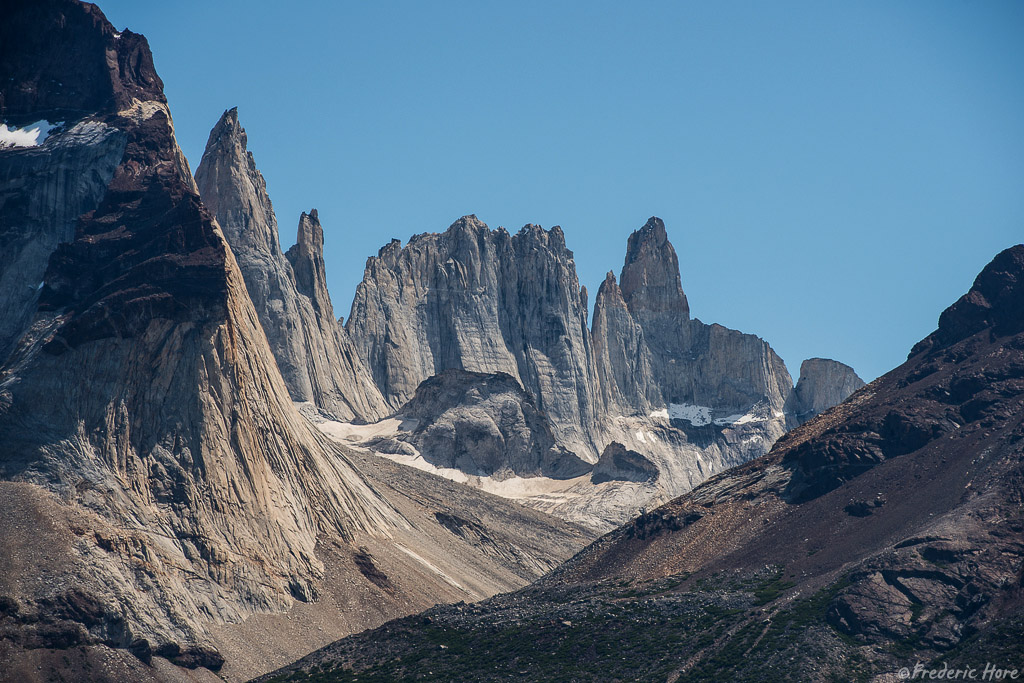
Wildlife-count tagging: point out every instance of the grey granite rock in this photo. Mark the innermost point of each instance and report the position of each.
(484, 424)
(651, 354)
(161, 498)
(290, 293)
(823, 383)
(482, 301)
(142, 406)
(617, 463)
(690, 398)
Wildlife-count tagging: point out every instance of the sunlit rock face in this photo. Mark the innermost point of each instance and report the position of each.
(482, 300)
(289, 292)
(823, 383)
(691, 398)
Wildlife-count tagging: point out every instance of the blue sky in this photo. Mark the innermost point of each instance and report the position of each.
(832, 175)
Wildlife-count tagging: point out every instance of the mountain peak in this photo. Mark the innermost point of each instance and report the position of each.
(310, 235)
(995, 300)
(228, 133)
(469, 222)
(234, 189)
(48, 47)
(650, 276)
(307, 260)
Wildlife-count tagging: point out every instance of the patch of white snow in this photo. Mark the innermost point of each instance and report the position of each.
(698, 416)
(32, 135)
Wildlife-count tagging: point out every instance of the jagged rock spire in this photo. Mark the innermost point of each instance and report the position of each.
(483, 301)
(307, 259)
(290, 294)
(147, 403)
(650, 279)
(235, 191)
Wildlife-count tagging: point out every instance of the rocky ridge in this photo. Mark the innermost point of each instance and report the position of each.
(482, 301)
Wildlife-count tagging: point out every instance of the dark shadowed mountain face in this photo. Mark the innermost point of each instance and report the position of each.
(886, 531)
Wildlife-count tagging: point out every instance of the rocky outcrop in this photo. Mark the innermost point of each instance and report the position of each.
(481, 300)
(823, 383)
(694, 399)
(483, 425)
(313, 353)
(995, 301)
(650, 354)
(171, 427)
(901, 495)
(620, 464)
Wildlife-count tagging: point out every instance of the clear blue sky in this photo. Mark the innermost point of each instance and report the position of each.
(832, 175)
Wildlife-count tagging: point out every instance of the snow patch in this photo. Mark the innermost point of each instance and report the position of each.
(701, 416)
(738, 419)
(346, 432)
(640, 437)
(696, 415)
(32, 135)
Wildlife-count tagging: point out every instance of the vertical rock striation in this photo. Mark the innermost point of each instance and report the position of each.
(690, 398)
(313, 353)
(695, 398)
(482, 301)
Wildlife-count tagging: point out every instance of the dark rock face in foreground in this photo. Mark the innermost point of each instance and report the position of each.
(883, 532)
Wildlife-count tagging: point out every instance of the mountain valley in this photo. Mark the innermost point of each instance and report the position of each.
(206, 474)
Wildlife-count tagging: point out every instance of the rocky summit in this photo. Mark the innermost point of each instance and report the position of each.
(289, 291)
